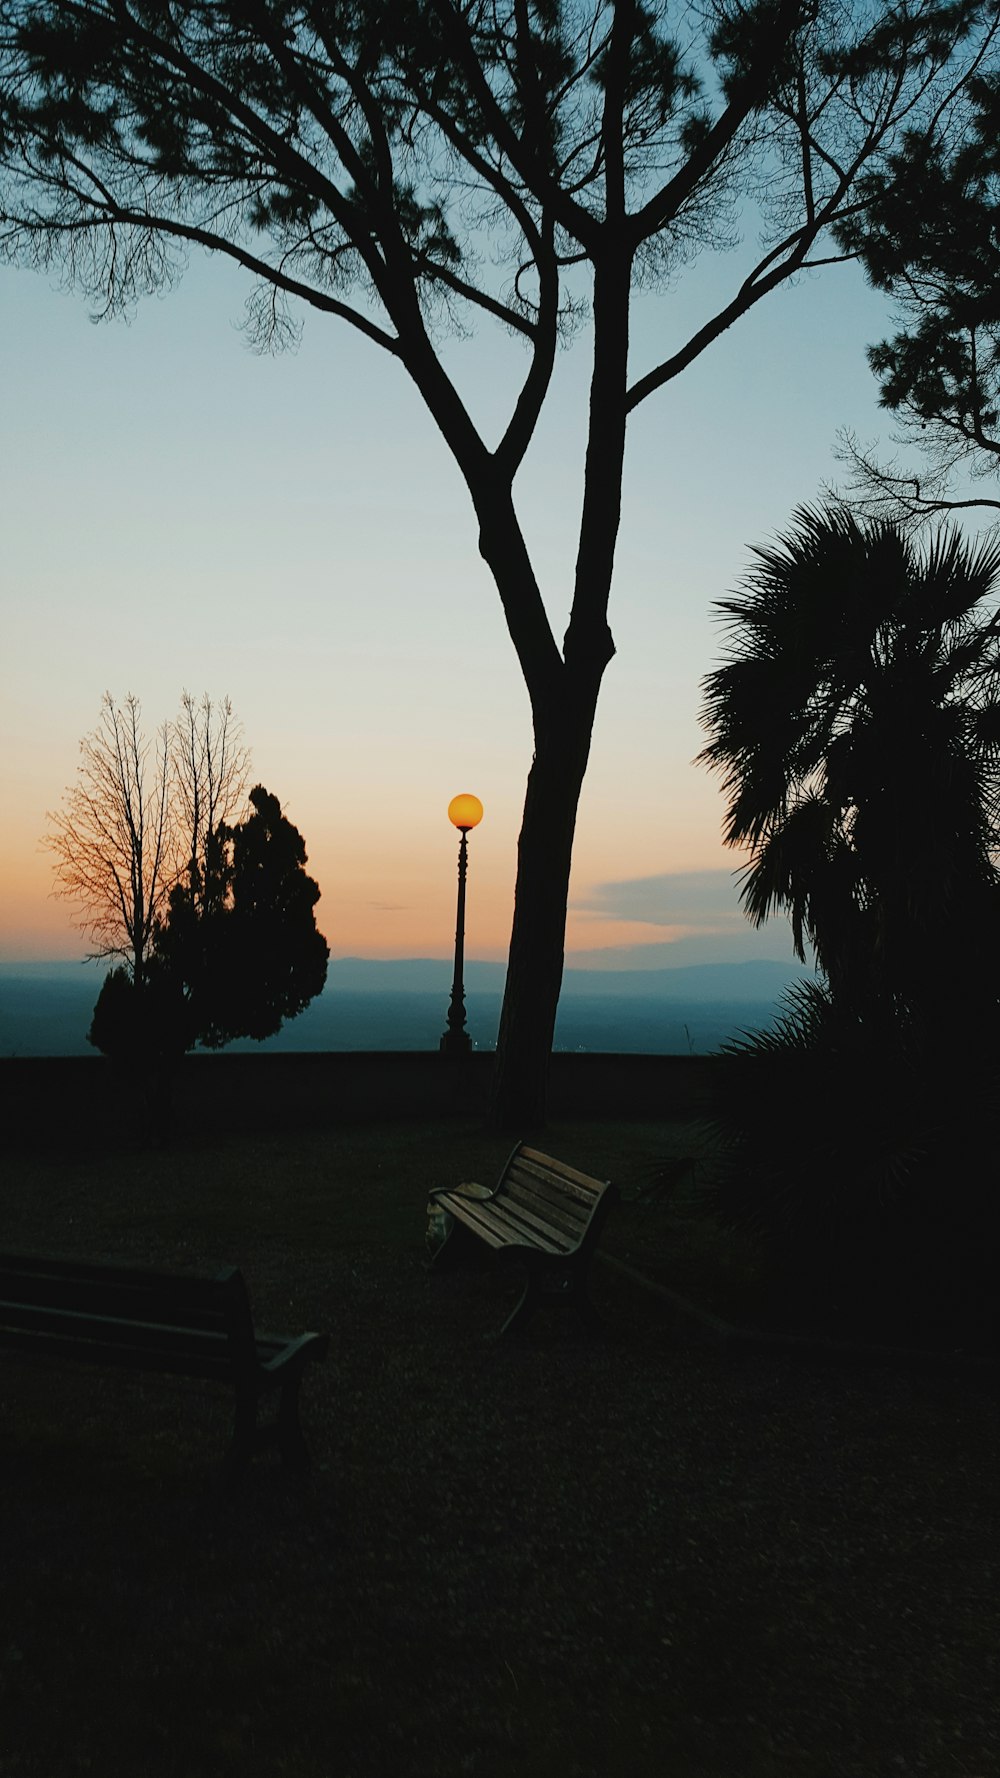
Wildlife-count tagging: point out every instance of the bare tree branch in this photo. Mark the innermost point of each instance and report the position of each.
(881, 490)
(138, 818)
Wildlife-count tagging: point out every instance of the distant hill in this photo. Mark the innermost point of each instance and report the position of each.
(735, 983)
(45, 1008)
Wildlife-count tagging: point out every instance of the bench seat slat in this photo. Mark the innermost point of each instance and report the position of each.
(529, 1222)
(551, 1176)
(23, 1266)
(194, 1362)
(500, 1228)
(565, 1212)
(564, 1228)
(210, 1317)
(95, 1290)
(112, 1330)
(474, 1217)
(571, 1174)
(584, 1191)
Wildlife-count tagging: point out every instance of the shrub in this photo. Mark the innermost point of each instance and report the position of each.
(864, 1169)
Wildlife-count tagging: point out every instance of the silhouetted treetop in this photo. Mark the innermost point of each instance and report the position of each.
(330, 145)
(856, 729)
(247, 956)
(929, 236)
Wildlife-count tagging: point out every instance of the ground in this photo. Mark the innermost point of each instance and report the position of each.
(564, 1557)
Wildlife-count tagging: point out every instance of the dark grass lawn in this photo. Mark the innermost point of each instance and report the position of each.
(562, 1557)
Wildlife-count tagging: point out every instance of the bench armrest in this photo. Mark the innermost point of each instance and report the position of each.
(478, 1194)
(307, 1345)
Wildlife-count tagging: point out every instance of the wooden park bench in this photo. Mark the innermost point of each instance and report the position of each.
(152, 1321)
(540, 1213)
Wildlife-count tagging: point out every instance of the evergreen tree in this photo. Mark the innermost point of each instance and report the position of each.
(245, 947)
(929, 236)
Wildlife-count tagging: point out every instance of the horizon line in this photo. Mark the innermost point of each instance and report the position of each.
(573, 962)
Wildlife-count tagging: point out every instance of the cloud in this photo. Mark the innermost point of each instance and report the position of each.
(707, 900)
(698, 914)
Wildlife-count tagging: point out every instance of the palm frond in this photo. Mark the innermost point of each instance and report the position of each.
(855, 727)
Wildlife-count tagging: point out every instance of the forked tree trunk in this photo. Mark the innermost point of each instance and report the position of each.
(563, 689)
(544, 857)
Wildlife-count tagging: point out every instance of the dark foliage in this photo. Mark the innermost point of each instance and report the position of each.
(140, 1025)
(243, 942)
(928, 234)
(857, 728)
(236, 955)
(866, 1172)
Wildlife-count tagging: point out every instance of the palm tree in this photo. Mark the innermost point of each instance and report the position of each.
(856, 726)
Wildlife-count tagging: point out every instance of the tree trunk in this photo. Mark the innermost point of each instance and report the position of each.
(544, 856)
(563, 689)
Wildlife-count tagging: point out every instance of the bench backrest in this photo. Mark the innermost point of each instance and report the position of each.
(127, 1316)
(563, 1203)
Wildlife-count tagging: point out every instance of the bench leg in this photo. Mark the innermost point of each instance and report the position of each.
(291, 1442)
(243, 1441)
(285, 1431)
(567, 1287)
(523, 1309)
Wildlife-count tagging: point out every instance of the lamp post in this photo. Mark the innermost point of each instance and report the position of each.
(465, 812)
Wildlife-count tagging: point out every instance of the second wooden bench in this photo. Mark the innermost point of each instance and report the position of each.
(141, 1320)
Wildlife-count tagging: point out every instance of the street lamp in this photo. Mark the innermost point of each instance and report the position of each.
(465, 812)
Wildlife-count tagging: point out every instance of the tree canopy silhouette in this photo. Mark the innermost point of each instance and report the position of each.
(856, 726)
(407, 167)
(245, 948)
(236, 953)
(930, 238)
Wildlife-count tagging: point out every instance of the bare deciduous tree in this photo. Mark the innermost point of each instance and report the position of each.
(113, 836)
(210, 764)
(140, 816)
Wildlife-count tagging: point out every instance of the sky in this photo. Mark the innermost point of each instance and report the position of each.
(180, 512)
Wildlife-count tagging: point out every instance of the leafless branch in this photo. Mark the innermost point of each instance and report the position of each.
(886, 490)
(138, 817)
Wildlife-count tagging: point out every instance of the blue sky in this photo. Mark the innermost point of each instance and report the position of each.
(182, 513)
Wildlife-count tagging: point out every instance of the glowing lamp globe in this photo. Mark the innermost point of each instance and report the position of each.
(465, 811)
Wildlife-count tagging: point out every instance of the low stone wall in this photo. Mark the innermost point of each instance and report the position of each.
(89, 1101)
